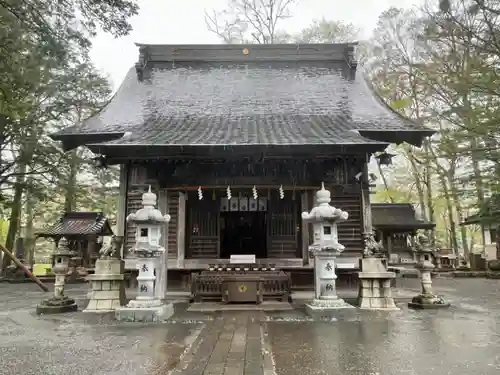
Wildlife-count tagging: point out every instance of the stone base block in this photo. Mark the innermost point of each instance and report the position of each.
(377, 303)
(375, 292)
(56, 306)
(145, 314)
(319, 304)
(428, 302)
(106, 295)
(103, 305)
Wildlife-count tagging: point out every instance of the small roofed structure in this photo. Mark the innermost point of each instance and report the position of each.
(84, 232)
(395, 224)
(488, 217)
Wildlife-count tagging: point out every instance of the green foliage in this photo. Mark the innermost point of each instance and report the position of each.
(48, 82)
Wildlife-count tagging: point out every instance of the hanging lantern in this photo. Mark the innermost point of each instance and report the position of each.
(384, 158)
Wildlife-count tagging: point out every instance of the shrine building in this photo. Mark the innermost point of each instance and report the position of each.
(235, 141)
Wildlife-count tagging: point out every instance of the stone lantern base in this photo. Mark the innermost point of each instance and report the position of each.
(428, 302)
(108, 291)
(375, 285)
(147, 311)
(327, 304)
(56, 305)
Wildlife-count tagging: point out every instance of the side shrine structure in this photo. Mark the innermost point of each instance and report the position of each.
(83, 231)
(396, 226)
(236, 140)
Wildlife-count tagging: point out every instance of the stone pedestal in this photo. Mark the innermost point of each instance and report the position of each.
(375, 285)
(326, 297)
(147, 307)
(107, 287)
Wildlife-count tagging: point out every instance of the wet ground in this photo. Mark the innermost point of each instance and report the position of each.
(464, 339)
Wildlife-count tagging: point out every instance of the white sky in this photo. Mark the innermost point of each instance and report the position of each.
(182, 22)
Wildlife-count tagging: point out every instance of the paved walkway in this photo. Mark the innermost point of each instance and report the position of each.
(231, 345)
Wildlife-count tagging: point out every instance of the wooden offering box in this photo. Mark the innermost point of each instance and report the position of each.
(240, 283)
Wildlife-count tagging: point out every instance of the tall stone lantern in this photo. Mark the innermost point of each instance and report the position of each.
(325, 249)
(149, 222)
(426, 299)
(59, 303)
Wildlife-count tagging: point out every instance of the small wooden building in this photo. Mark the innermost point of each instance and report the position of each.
(236, 140)
(84, 232)
(395, 225)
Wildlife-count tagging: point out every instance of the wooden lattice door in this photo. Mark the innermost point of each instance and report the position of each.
(283, 227)
(202, 230)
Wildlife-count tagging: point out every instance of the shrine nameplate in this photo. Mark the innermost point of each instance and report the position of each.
(242, 289)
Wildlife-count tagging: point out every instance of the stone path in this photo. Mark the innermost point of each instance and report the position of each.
(233, 344)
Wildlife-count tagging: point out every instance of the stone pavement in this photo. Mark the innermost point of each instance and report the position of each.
(462, 340)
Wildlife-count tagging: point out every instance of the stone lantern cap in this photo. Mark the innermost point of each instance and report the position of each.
(323, 211)
(148, 213)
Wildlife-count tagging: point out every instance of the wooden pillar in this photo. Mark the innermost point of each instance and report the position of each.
(121, 215)
(366, 207)
(304, 206)
(181, 230)
(161, 268)
(389, 245)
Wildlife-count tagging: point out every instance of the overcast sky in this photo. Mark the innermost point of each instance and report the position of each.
(182, 21)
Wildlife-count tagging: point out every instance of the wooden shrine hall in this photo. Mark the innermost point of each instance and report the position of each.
(235, 140)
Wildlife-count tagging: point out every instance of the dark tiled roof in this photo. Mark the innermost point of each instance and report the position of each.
(303, 102)
(267, 130)
(397, 216)
(489, 213)
(79, 224)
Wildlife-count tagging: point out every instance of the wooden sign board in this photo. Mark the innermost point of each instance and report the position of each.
(242, 259)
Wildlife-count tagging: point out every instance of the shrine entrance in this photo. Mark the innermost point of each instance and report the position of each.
(243, 233)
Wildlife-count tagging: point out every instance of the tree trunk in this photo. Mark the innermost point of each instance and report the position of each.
(478, 180)
(70, 187)
(30, 229)
(418, 184)
(74, 165)
(428, 183)
(15, 214)
(451, 219)
(458, 207)
(384, 180)
(498, 241)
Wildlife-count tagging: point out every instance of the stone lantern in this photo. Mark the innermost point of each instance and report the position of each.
(149, 222)
(426, 299)
(325, 249)
(59, 303)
